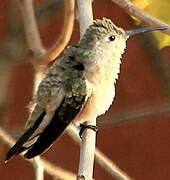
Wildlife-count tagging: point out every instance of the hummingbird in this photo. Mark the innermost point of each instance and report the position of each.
(78, 86)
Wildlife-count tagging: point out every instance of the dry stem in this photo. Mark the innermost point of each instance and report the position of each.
(65, 36)
(101, 158)
(41, 56)
(134, 115)
(51, 169)
(35, 45)
(87, 148)
(31, 29)
(39, 168)
(85, 14)
(132, 10)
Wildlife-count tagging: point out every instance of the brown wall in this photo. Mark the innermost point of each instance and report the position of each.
(141, 148)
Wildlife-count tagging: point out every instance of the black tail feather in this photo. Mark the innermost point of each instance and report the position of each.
(64, 114)
(18, 147)
(61, 119)
(47, 137)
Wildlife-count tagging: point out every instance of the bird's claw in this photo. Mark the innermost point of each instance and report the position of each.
(84, 126)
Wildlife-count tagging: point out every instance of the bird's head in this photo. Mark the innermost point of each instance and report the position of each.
(106, 39)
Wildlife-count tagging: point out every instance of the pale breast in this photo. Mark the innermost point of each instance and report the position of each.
(101, 93)
(102, 97)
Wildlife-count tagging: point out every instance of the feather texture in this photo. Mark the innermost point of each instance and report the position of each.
(18, 147)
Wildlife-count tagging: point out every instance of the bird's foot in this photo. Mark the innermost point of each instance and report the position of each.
(84, 126)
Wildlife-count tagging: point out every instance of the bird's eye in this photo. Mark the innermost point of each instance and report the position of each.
(111, 38)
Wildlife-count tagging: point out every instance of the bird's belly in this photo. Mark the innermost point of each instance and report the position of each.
(99, 101)
(102, 98)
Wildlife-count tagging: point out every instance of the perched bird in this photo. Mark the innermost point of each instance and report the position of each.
(78, 86)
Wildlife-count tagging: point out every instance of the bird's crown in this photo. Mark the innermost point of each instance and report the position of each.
(104, 26)
(98, 30)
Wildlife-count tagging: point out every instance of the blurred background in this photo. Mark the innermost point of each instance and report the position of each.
(134, 133)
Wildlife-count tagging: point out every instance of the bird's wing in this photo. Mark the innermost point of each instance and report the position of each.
(57, 105)
(39, 117)
(18, 147)
(71, 104)
(29, 137)
(60, 120)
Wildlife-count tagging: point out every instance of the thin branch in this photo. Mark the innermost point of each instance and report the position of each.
(87, 151)
(134, 115)
(132, 10)
(57, 172)
(102, 159)
(14, 39)
(42, 56)
(39, 52)
(110, 166)
(85, 14)
(65, 36)
(39, 168)
(51, 169)
(6, 138)
(31, 29)
(87, 148)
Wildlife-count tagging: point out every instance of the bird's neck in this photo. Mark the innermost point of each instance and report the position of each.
(106, 70)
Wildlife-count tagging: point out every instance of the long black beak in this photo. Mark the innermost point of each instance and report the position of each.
(142, 30)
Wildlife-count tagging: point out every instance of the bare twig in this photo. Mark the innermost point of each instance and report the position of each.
(33, 38)
(132, 10)
(51, 169)
(134, 115)
(39, 52)
(85, 14)
(102, 159)
(87, 151)
(42, 56)
(57, 172)
(12, 47)
(4, 83)
(110, 166)
(65, 36)
(87, 148)
(39, 168)
(6, 138)
(31, 29)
